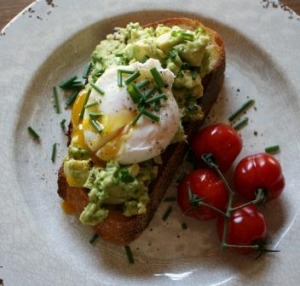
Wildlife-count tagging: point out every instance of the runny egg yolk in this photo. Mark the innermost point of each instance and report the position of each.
(77, 131)
(113, 129)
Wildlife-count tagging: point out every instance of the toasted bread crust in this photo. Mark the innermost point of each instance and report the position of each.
(117, 228)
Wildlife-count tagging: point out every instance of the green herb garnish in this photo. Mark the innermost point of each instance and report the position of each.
(129, 254)
(53, 155)
(93, 238)
(167, 213)
(96, 125)
(95, 116)
(150, 115)
(33, 133)
(98, 89)
(62, 125)
(156, 98)
(91, 104)
(241, 124)
(66, 83)
(134, 76)
(56, 101)
(142, 84)
(150, 91)
(157, 78)
(84, 104)
(135, 120)
(243, 108)
(134, 93)
(272, 149)
(72, 98)
(86, 70)
(120, 76)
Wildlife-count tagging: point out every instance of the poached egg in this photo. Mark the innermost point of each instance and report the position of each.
(118, 135)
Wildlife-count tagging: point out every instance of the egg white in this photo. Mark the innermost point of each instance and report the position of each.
(120, 140)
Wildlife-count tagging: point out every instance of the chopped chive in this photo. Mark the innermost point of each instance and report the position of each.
(56, 101)
(85, 102)
(96, 125)
(75, 85)
(167, 213)
(150, 91)
(87, 70)
(98, 89)
(119, 55)
(243, 108)
(72, 98)
(33, 133)
(150, 115)
(134, 93)
(126, 71)
(95, 116)
(142, 84)
(134, 76)
(91, 104)
(120, 76)
(53, 155)
(157, 78)
(156, 98)
(93, 238)
(241, 124)
(272, 149)
(135, 120)
(62, 125)
(184, 226)
(170, 199)
(66, 83)
(129, 254)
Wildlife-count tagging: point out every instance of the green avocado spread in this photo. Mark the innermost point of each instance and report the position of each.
(186, 54)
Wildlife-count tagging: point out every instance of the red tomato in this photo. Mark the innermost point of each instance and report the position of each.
(219, 139)
(246, 226)
(260, 171)
(205, 186)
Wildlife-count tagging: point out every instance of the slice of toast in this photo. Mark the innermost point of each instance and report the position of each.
(117, 228)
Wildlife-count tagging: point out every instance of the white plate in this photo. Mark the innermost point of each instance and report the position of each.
(42, 246)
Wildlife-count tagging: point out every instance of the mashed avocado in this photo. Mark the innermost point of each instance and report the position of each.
(184, 52)
(117, 185)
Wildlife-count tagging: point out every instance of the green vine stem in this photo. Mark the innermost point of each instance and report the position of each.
(209, 160)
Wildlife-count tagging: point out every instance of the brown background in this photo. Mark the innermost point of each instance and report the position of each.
(10, 8)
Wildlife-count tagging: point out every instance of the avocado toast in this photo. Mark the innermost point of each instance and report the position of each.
(190, 61)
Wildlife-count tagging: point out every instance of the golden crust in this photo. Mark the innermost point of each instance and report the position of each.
(117, 228)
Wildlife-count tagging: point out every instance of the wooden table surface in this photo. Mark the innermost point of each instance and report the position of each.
(10, 8)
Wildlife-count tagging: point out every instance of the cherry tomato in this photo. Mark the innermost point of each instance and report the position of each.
(199, 186)
(246, 226)
(260, 171)
(219, 139)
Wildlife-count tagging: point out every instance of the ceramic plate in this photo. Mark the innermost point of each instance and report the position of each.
(52, 40)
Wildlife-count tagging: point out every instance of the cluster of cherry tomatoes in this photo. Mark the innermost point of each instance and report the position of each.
(205, 194)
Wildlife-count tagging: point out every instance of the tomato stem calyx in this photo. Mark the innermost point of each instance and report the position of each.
(196, 202)
(260, 198)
